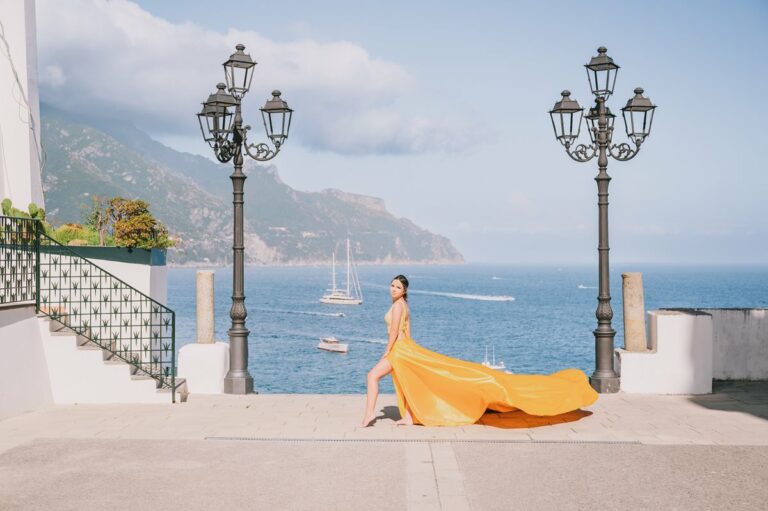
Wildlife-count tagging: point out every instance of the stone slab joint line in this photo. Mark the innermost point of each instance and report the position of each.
(430, 441)
(421, 482)
(450, 483)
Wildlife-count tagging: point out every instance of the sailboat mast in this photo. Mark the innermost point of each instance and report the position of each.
(348, 268)
(333, 259)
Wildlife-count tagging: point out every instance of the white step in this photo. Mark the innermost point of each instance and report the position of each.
(82, 372)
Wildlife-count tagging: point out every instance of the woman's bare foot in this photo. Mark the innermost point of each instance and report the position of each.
(405, 421)
(368, 420)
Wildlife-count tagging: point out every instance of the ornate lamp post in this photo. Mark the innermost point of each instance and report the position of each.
(221, 123)
(566, 120)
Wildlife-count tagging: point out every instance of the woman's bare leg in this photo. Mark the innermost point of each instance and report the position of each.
(408, 419)
(381, 369)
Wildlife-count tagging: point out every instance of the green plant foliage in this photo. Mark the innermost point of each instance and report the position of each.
(9, 210)
(68, 233)
(97, 218)
(134, 226)
(36, 212)
(33, 211)
(131, 223)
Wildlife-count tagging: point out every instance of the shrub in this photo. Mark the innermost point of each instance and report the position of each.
(97, 218)
(70, 232)
(33, 210)
(134, 226)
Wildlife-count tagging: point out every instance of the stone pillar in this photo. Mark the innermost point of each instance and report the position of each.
(205, 363)
(205, 307)
(634, 312)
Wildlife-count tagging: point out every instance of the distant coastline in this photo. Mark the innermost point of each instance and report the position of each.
(321, 263)
(283, 226)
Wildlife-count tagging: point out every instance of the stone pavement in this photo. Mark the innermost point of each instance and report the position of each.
(308, 452)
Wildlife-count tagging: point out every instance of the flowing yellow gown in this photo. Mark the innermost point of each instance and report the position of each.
(445, 391)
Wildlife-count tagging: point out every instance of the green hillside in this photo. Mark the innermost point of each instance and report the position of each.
(192, 197)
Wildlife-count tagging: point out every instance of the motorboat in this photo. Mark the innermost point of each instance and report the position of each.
(333, 344)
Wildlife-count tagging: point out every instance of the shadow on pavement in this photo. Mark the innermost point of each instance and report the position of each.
(505, 420)
(736, 396)
(519, 419)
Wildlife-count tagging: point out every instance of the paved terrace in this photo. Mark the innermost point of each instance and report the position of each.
(308, 452)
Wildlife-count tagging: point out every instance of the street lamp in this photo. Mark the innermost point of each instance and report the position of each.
(566, 118)
(221, 124)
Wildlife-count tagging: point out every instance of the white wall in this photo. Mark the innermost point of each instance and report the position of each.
(24, 382)
(150, 280)
(20, 150)
(740, 343)
(158, 283)
(679, 360)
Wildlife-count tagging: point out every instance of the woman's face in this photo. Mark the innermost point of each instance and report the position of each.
(396, 290)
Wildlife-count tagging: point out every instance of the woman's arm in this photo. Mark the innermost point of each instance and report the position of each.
(394, 327)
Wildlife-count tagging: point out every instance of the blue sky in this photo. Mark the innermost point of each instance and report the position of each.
(440, 108)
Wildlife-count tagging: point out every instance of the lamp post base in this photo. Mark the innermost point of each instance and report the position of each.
(238, 385)
(605, 384)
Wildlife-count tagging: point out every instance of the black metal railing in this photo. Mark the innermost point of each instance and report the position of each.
(89, 300)
(18, 260)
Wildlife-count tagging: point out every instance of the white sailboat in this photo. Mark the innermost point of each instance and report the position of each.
(353, 294)
(492, 363)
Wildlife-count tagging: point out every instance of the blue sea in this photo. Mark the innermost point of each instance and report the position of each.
(537, 319)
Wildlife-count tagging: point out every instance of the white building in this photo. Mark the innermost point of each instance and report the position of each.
(21, 154)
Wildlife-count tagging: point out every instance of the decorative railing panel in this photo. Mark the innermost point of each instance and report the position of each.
(17, 259)
(87, 299)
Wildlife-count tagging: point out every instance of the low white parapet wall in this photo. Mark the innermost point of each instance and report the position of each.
(688, 348)
(204, 367)
(740, 338)
(24, 382)
(678, 359)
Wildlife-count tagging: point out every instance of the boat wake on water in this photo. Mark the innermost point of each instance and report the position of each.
(582, 286)
(362, 339)
(304, 313)
(463, 296)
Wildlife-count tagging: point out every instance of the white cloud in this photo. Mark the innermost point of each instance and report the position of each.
(52, 76)
(114, 57)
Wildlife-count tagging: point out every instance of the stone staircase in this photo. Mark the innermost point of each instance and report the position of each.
(81, 371)
(104, 340)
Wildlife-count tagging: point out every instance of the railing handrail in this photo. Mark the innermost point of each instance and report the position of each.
(74, 251)
(41, 231)
(11, 228)
(66, 251)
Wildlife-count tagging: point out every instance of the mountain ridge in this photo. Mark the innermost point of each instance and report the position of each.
(192, 196)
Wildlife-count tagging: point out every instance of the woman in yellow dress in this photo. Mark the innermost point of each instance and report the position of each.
(436, 390)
